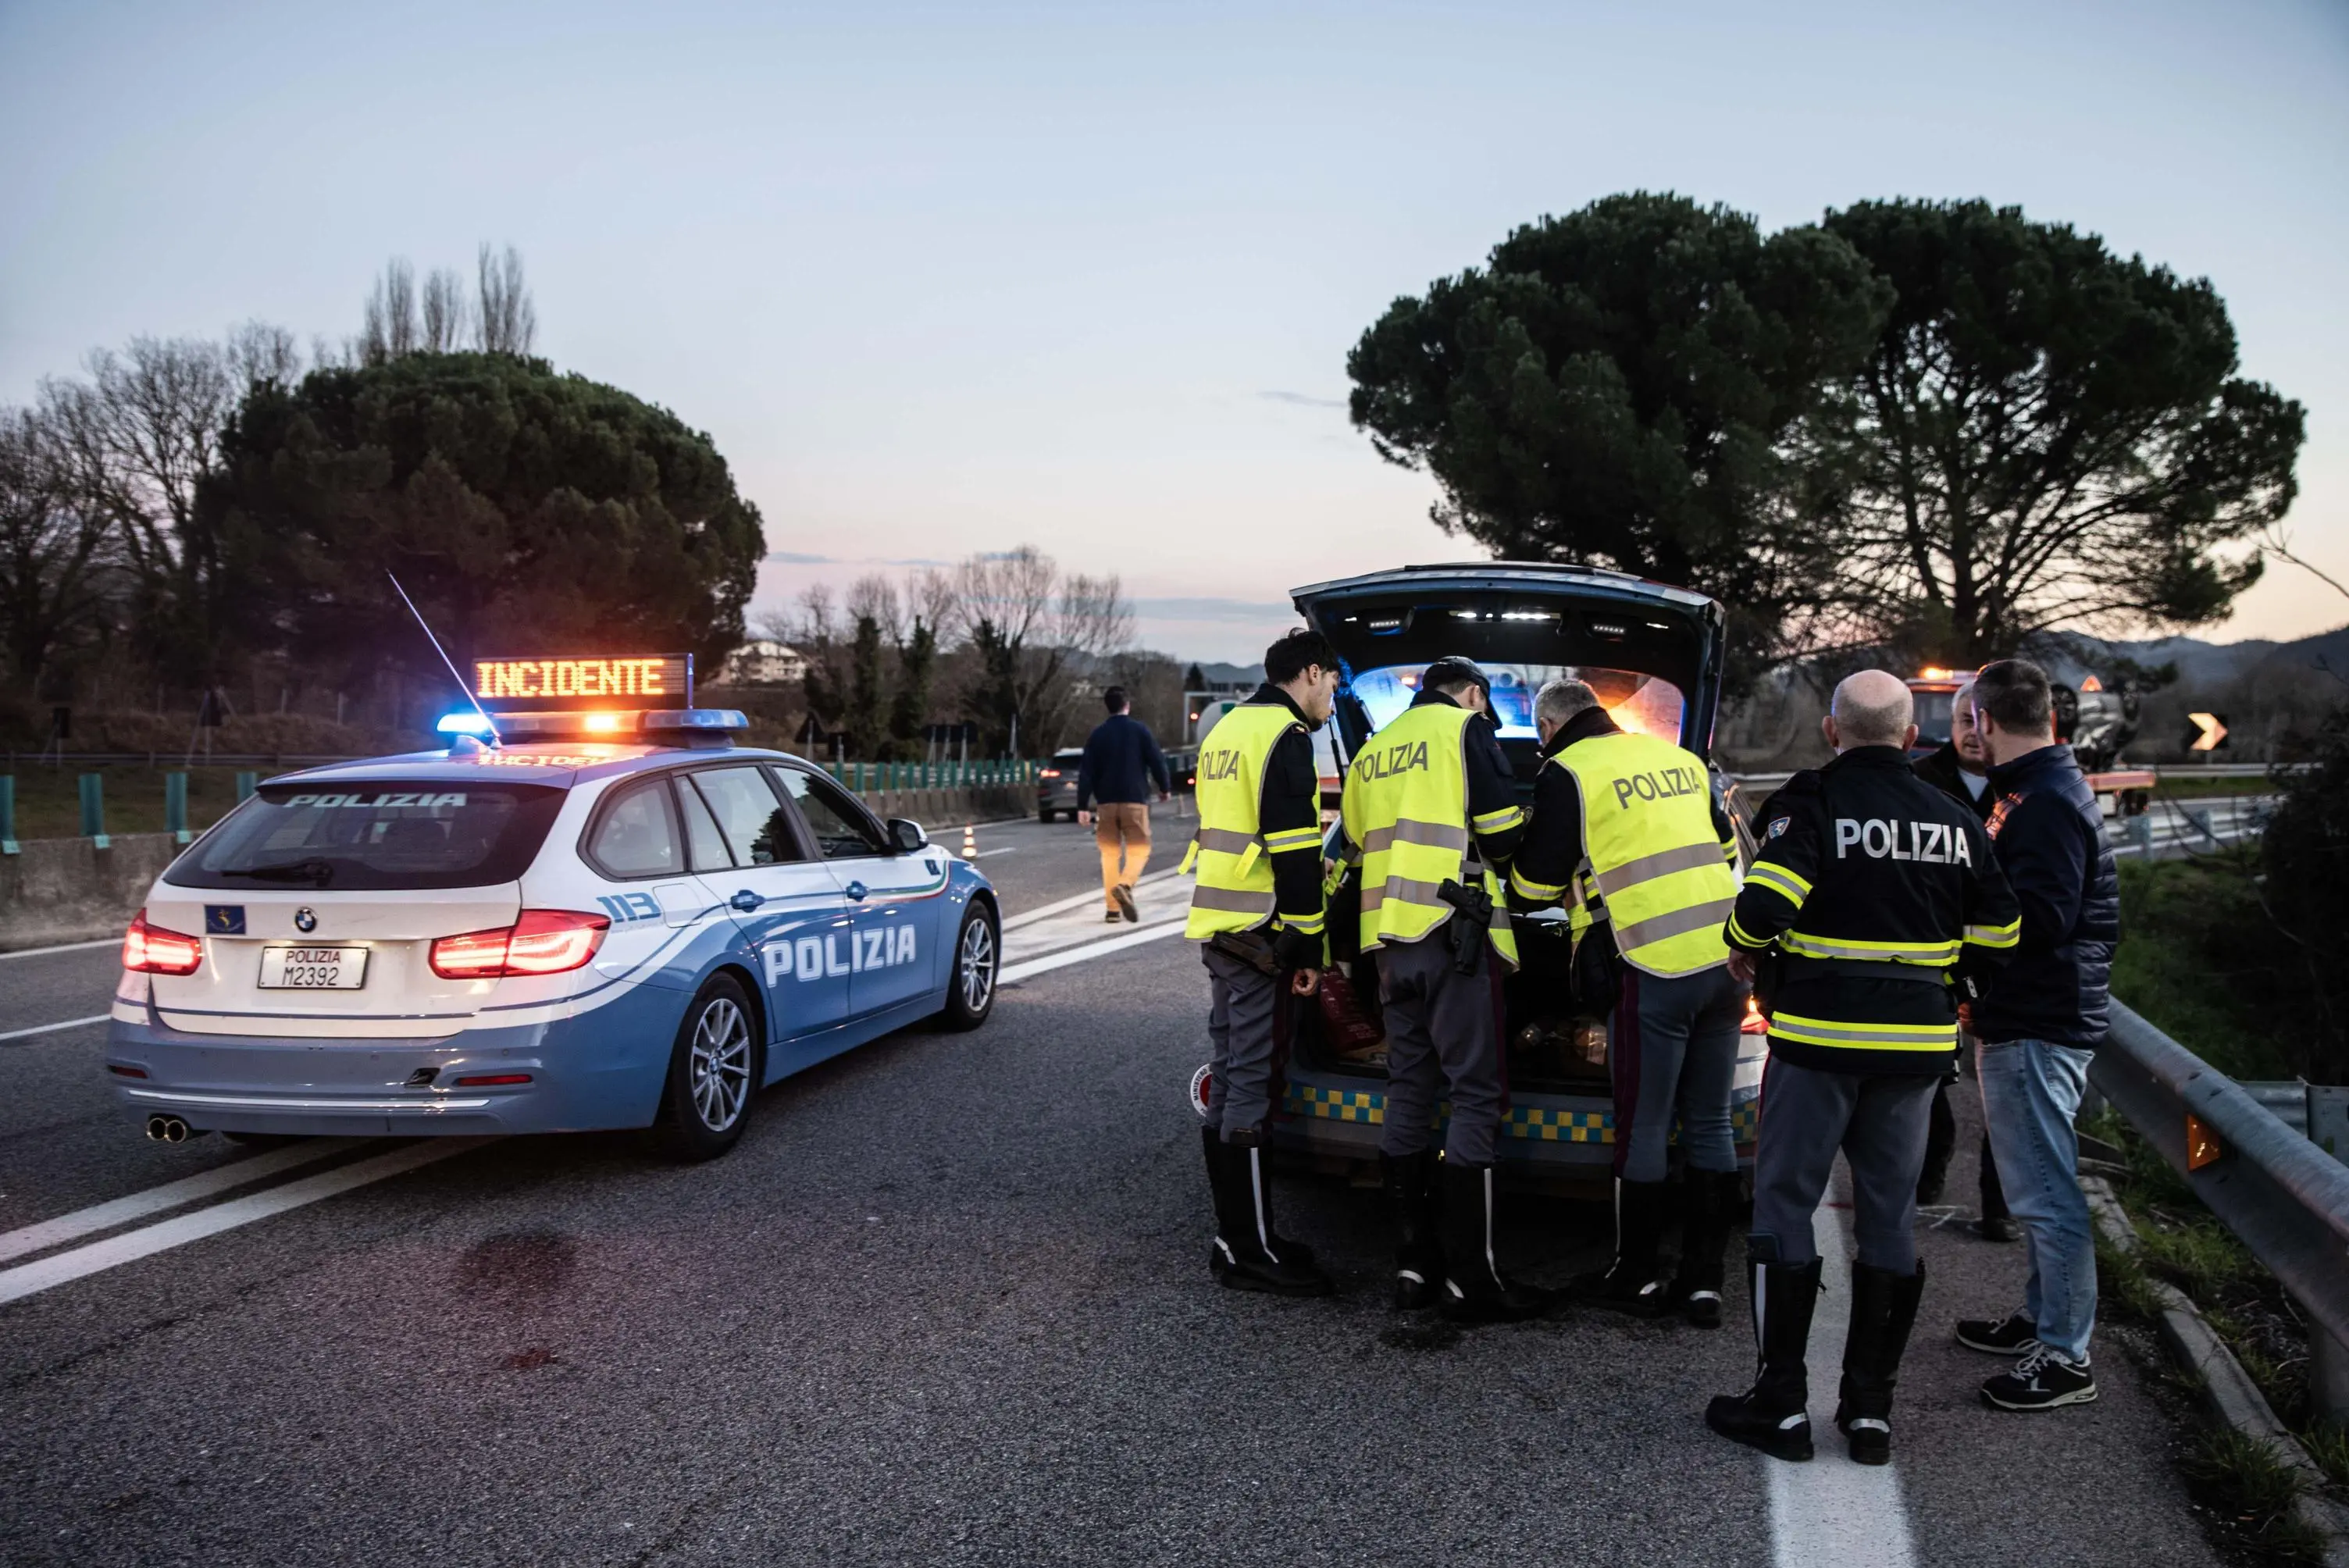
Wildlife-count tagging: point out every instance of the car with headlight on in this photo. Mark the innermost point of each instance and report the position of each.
(1655, 656)
(580, 919)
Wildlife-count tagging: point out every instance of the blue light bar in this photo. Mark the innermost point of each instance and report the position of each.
(704, 718)
(467, 722)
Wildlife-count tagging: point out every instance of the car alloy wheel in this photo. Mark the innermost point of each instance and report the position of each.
(975, 966)
(719, 1068)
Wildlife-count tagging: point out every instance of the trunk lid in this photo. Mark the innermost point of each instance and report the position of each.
(1653, 653)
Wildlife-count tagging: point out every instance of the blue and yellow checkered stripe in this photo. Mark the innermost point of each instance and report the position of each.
(1537, 1123)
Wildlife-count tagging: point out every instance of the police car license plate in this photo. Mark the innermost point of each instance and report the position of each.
(312, 968)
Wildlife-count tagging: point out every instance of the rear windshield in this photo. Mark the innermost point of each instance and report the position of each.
(1644, 704)
(374, 837)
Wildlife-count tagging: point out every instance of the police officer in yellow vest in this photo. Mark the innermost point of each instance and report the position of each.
(1632, 821)
(1872, 896)
(1257, 912)
(1431, 808)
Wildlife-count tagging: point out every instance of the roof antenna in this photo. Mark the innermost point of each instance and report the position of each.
(463, 685)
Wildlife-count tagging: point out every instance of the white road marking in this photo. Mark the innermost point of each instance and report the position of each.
(62, 947)
(1006, 849)
(1830, 1512)
(46, 1233)
(1015, 973)
(27, 1279)
(52, 1028)
(1062, 906)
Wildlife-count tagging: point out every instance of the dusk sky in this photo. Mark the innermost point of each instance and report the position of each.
(954, 278)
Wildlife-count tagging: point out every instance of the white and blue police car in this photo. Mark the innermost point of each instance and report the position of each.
(591, 917)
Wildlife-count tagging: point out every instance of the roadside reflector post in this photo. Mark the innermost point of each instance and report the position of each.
(2202, 1144)
(245, 784)
(93, 810)
(8, 814)
(175, 806)
(969, 842)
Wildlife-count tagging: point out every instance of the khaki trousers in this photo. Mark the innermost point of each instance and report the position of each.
(1121, 829)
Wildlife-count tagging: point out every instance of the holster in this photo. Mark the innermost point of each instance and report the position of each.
(1470, 925)
(1253, 948)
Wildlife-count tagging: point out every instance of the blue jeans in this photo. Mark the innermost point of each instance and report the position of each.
(2031, 1091)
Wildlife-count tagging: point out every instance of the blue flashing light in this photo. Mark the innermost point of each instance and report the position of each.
(466, 722)
(704, 718)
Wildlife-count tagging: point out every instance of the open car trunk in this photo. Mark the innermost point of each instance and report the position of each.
(1653, 654)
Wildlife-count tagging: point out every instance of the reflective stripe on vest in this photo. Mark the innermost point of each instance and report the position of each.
(1647, 827)
(1234, 891)
(1406, 808)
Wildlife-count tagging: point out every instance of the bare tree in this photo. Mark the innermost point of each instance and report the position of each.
(507, 322)
(1026, 623)
(390, 328)
(56, 548)
(136, 438)
(262, 351)
(446, 311)
(875, 595)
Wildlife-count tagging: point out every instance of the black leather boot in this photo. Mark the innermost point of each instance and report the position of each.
(1710, 1210)
(1295, 1250)
(1474, 1289)
(1773, 1415)
(1417, 1218)
(1247, 1256)
(1635, 1283)
(1883, 1311)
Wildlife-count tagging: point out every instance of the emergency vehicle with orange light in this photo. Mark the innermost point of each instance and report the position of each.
(592, 909)
(1655, 656)
(2093, 722)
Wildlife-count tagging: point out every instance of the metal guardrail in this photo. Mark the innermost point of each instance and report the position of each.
(2287, 1199)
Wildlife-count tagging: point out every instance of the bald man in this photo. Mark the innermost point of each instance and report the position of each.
(1871, 895)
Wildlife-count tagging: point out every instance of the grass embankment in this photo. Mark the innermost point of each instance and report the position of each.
(48, 799)
(2191, 961)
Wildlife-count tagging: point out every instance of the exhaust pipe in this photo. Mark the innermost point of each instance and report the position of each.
(167, 1129)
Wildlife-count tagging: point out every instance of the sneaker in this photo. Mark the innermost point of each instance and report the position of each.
(2042, 1380)
(1124, 893)
(1113, 918)
(2013, 1335)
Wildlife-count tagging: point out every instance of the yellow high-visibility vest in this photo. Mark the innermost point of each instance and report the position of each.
(1665, 878)
(1229, 851)
(1405, 807)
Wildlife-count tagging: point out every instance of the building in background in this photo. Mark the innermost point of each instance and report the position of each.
(762, 662)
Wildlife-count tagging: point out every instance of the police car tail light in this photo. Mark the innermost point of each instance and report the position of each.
(550, 940)
(153, 950)
(542, 941)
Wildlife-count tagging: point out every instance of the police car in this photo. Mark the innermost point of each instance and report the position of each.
(1655, 656)
(583, 915)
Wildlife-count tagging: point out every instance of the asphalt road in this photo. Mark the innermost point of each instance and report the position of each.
(947, 1302)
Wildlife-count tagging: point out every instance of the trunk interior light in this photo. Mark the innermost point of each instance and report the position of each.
(542, 941)
(153, 950)
(1610, 629)
(1528, 615)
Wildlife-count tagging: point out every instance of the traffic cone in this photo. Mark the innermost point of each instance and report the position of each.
(969, 842)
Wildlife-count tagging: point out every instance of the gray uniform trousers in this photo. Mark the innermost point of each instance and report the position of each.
(1878, 1121)
(1674, 1053)
(1242, 1009)
(1444, 1029)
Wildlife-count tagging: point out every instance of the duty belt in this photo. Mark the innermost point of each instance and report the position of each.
(1801, 968)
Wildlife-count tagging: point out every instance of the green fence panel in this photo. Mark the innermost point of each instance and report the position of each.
(8, 813)
(93, 810)
(245, 785)
(175, 806)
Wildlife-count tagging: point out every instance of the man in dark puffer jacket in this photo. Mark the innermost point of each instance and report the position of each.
(2045, 1013)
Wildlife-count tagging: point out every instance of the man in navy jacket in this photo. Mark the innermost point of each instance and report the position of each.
(2038, 1026)
(1113, 783)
